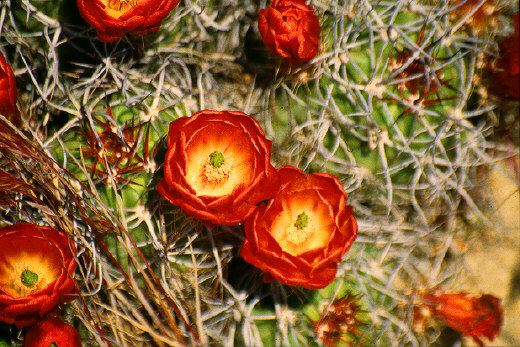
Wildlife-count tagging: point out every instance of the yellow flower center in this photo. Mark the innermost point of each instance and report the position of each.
(218, 160)
(304, 225)
(116, 8)
(297, 234)
(217, 174)
(215, 170)
(23, 282)
(24, 273)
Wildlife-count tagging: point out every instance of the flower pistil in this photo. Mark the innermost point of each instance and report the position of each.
(301, 221)
(300, 231)
(216, 159)
(29, 278)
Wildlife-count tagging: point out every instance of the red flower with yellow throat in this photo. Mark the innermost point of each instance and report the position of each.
(302, 234)
(217, 168)
(114, 18)
(36, 269)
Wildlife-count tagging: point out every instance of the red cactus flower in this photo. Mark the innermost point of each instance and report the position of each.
(470, 315)
(36, 268)
(301, 235)
(217, 168)
(52, 330)
(291, 30)
(506, 73)
(114, 18)
(8, 92)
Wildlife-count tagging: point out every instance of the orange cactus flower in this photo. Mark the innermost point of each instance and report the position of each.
(8, 92)
(52, 330)
(291, 30)
(217, 168)
(301, 235)
(471, 315)
(114, 18)
(36, 268)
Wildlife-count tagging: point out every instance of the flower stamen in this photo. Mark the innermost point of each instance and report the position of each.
(216, 169)
(298, 236)
(122, 5)
(300, 231)
(116, 8)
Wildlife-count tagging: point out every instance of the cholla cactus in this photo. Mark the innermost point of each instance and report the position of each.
(388, 105)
